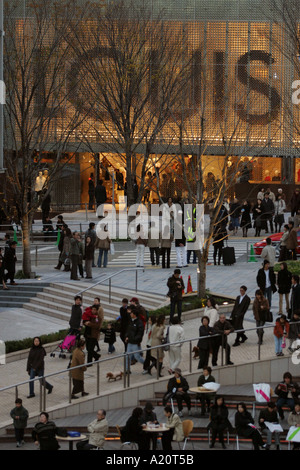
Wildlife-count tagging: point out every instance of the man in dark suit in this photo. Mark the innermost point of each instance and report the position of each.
(240, 308)
(295, 296)
(268, 210)
(266, 281)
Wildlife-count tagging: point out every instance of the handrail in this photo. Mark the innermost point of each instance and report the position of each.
(124, 356)
(108, 278)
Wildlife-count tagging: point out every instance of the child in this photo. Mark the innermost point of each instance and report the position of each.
(19, 414)
(281, 330)
(110, 337)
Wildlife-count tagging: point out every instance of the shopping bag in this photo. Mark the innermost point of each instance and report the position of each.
(293, 434)
(112, 249)
(262, 392)
(211, 386)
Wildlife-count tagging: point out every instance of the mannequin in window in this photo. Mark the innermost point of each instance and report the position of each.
(276, 176)
(267, 176)
(46, 176)
(39, 183)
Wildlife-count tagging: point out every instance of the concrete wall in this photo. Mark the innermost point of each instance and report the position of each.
(253, 372)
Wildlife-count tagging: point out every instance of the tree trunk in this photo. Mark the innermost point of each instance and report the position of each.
(26, 228)
(202, 261)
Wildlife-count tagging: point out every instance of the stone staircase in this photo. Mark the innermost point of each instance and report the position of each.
(56, 300)
(17, 295)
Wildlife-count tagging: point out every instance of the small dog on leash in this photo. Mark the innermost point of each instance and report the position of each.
(110, 376)
(196, 352)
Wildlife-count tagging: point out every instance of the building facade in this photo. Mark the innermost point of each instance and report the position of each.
(244, 68)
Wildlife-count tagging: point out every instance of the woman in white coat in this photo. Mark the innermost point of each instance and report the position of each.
(176, 333)
(211, 311)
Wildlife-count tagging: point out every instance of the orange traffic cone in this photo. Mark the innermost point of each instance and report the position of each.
(189, 286)
(182, 289)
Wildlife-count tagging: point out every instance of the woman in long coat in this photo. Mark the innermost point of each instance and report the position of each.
(219, 421)
(205, 344)
(245, 217)
(157, 336)
(244, 425)
(78, 359)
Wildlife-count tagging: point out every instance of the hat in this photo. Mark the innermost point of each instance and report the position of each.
(134, 299)
(279, 189)
(178, 371)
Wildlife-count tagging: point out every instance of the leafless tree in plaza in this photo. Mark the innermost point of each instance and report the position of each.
(131, 69)
(39, 119)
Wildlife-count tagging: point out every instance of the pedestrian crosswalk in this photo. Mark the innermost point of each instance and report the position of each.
(128, 258)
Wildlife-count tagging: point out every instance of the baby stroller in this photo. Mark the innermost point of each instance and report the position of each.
(66, 346)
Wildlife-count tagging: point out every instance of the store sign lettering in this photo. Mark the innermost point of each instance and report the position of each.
(219, 85)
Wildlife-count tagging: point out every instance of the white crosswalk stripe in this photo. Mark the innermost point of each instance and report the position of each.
(129, 258)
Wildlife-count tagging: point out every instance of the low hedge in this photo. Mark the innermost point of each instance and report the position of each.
(293, 267)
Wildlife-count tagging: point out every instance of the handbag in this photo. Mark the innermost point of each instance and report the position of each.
(67, 262)
(165, 341)
(269, 317)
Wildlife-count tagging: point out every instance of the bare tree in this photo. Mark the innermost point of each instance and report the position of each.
(38, 116)
(224, 127)
(132, 69)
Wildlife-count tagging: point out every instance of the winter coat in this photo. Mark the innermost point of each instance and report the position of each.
(294, 331)
(93, 330)
(135, 331)
(281, 329)
(133, 429)
(36, 358)
(76, 316)
(174, 421)
(203, 380)
(109, 335)
(261, 279)
(245, 216)
(78, 359)
(260, 314)
(213, 315)
(22, 415)
(220, 327)
(283, 390)
(175, 290)
(157, 336)
(89, 252)
(176, 333)
(205, 344)
(292, 241)
(45, 434)
(10, 258)
(295, 299)
(267, 416)
(284, 281)
(219, 418)
(100, 194)
(180, 382)
(242, 421)
(239, 311)
(269, 253)
(294, 419)
(98, 430)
